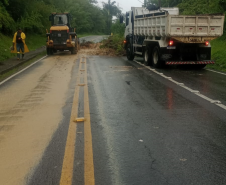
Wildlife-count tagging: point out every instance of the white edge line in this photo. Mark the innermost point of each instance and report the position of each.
(21, 70)
(216, 72)
(196, 92)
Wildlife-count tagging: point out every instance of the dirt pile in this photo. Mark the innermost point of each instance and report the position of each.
(91, 48)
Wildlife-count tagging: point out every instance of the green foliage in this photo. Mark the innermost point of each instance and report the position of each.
(110, 10)
(166, 3)
(118, 28)
(6, 21)
(218, 54)
(33, 42)
(32, 16)
(115, 42)
(193, 7)
(5, 44)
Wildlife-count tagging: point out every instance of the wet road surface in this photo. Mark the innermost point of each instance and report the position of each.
(136, 127)
(209, 83)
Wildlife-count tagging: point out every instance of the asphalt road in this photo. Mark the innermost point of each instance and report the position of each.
(80, 119)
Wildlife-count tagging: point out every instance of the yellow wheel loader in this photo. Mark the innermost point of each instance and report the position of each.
(61, 36)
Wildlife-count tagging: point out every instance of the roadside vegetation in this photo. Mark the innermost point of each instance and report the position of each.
(115, 41)
(20, 67)
(218, 54)
(33, 42)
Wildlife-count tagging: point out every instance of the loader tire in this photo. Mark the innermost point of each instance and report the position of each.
(49, 51)
(73, 50)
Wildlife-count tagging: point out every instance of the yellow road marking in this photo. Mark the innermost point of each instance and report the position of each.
(79, 119)
(67, 168)
(88, 148)
(68, 162)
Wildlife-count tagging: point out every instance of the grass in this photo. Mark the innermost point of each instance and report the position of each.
(33, 42)
(15, 70)
(5, 44)
(218, 54)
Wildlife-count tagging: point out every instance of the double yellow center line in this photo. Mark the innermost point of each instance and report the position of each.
(68, 162)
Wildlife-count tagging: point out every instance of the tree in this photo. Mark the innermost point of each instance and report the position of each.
(110, 10)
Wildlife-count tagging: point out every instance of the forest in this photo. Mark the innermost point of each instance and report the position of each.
(32, 16)
(88, 17)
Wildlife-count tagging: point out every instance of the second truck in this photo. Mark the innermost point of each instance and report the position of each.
(163, 37)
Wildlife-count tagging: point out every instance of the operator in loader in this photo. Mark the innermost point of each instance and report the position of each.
(19, 42)
(60, 21)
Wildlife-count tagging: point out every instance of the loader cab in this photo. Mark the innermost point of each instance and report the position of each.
(60, 19)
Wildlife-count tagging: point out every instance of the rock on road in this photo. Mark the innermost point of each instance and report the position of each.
(135, 127)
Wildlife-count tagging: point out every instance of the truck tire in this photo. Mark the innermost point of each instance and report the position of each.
(156, 58)
(147, 56)
(129, 52)
(73, 50)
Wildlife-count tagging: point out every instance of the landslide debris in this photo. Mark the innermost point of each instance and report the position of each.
(107, 47)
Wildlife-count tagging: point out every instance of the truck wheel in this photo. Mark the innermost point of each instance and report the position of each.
(129, 52)
(156, 62)
(147, 56)
(73, 50)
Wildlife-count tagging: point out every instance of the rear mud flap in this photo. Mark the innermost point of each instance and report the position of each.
(189, 62)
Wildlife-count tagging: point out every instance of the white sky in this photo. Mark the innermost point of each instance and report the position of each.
(124, 4)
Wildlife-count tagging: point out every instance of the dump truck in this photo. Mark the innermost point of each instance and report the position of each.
(61, 36)
(163, 37)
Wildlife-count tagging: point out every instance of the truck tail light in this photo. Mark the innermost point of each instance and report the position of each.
(67, 31)
(207, 43)
(50, 31)
(170, 43)
(124, 41)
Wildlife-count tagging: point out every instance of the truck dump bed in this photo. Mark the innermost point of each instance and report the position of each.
(186, 28)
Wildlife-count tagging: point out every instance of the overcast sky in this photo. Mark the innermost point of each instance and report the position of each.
(124, 4)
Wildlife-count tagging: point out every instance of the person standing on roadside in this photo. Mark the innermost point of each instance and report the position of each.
(19, 42)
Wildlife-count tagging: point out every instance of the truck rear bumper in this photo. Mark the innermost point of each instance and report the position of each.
(189, 62)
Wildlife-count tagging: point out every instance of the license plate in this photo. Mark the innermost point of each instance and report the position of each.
(194, 39)
(59, 34)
